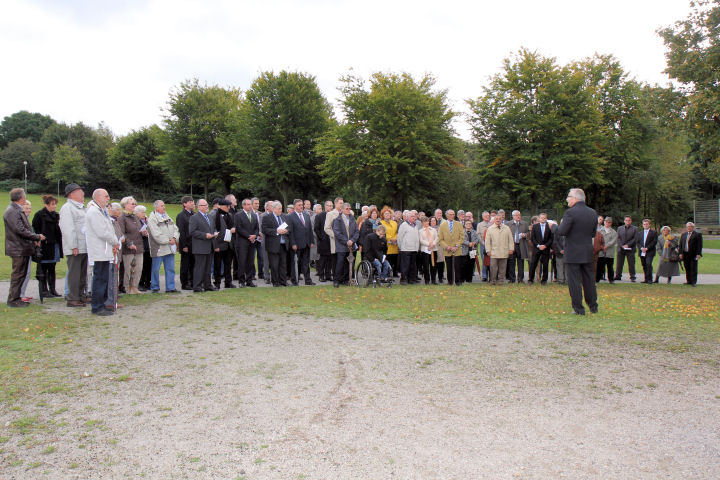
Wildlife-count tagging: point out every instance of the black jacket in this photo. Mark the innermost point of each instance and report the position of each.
(183, 223)
(245, 227)
(48, 223)
(300, 235)
(322, 239)
(578, 226)
(627, 236)
(650, 243)
(539, 239)
(269, 230)
(374, 247)
(366, 229)
(696, 245)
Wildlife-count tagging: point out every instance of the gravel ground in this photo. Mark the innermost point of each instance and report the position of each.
(184, 392)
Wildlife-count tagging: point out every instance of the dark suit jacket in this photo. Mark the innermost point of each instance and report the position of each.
(183, 223)
(244, 227)
(269, 230)
(579, 225)
(627, 236)
(539, 239)
(696, 245)
(522, 227)
(322, 238)
(374, 247)
(341, 234)
(198, 227)
(650, 243)
(300, 235)
(558, 244)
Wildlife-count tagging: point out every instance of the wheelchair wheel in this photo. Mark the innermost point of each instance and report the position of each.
(363, 274)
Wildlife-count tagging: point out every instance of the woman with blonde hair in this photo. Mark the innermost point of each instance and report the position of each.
(132, 229)
(667, 246)
(428, 249)
(391, 228)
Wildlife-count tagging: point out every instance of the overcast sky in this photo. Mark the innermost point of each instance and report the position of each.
(115, 62)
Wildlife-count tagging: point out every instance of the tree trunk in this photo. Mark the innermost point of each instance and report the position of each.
(397, 201)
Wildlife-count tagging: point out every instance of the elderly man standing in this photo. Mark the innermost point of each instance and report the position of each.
(450, 237)
(163, 236)
(20, 244)
(324, 267)
(102, 245)
(72, 227)
(579, 226)
(187, 261)
(247, 229)
(499, 245)
(521, 233)
(301, 240)
(408, 239)
(691, 244)
(276, 243)
(329, 219)
(346, 235)
(202, 234)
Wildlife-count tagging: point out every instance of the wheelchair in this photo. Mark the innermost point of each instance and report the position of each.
(366, 274)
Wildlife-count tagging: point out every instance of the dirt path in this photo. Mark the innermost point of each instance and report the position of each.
(228, 396)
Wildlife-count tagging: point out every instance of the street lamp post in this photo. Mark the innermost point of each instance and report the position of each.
(25, 164)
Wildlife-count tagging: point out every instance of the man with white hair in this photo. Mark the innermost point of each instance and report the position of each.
(408, 240)
(163, 237)
(691, 244)
(579, 226)
(329, 219)
(102, 245)
(521, 232)
(277, 243)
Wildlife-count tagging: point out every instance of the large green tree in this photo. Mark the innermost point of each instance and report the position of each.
(134, 159)
(13, 156)
(396, 137)
(23, 124)
(92, 143)
(196, 117)
(693, 59)
(67, 165)
(538, 129)
(272, 138)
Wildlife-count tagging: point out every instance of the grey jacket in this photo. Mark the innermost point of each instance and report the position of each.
(466, 243)
(610, 236)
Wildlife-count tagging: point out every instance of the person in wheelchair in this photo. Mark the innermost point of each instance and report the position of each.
(375, 249)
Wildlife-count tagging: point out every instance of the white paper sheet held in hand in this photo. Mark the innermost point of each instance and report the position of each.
(282, 227)
(228, 235)
(143, 228)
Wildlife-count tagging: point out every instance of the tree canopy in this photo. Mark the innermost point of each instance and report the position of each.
(23, 124)
(134, 158)
(396, 138)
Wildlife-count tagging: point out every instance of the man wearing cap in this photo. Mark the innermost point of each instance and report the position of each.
(72, 227)
(19, 244)
(102, 245)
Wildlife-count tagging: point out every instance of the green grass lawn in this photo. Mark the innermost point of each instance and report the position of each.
(711, 244)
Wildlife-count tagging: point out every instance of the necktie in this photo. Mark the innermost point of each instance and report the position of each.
(249, 217)
(517, 233)
(542, 230)
(302, 219)
(206, 218)
(450, 225)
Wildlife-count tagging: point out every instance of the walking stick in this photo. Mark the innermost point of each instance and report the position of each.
(451, 267)
(351, 261)
(116, 256)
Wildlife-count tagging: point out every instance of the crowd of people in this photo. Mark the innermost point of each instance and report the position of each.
(113, 248)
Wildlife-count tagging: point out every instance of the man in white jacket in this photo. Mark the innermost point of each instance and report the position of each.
(102, 245)
(408, 240)
(163, 237)
(72, 226)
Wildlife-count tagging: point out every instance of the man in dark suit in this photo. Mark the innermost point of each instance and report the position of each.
(627, 239)
(520, 232)
(246, 232)
(301, 239)
(542, 237)
(187, 261)
(647, 241)
(202, 234)
(324, 265)
(346, 235)
(578, 226)
(276, 244)
(691, 244)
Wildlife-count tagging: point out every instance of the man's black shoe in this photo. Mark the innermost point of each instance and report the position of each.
(172, 291)
(577, 313)
(211, 289)
(198, 290)
(593, 310)
(18, 304)
(309, 282)
(250, 284)
(104, 313)
(230, 285)
(187, 287)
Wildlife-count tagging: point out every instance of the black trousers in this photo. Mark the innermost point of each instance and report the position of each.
(145, 276)
(542, 257)
(580, 280)
(428, 271)
(222, 262)
(605, 264)
(440, 268)
(512, 261)
(454, 266)
(243, 252)
(691, 269)
(325, 267)
(393, 261)
(621, 255)
(303, 256)
(256, 250)
(408, 266)
(201, 270)
(468, 268)
(278, 266)
(647, 265)
(290, 265)
(187, 262)
(341, 268)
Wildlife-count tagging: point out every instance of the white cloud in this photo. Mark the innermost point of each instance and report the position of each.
(116, 62)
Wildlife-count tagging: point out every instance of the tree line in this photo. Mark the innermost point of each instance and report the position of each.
(538, 128)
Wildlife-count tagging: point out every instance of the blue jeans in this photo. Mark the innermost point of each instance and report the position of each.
(384, 269)
(100, 279)
(168, 262)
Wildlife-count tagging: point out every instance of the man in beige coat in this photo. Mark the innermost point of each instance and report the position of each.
(499, 245)
(329, 219)
(450, 237)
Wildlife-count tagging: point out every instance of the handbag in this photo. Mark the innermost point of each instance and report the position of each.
(674, 255)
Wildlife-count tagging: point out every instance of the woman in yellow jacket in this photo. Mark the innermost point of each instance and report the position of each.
(391, 228)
